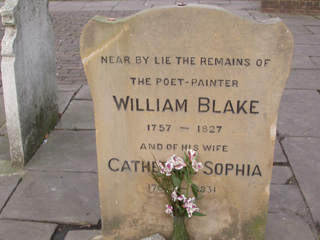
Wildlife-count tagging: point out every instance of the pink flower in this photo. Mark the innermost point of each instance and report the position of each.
(160, 167)
(182, 198)
(169, 209)
(190, 206)
(178, 162)
(191, 154)
(169, 166)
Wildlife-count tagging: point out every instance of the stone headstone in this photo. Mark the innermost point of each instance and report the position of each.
(168, 79)
(28, 75)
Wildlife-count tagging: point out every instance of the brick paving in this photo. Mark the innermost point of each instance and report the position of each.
(63, 171)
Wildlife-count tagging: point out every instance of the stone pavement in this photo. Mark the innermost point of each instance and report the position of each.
(56, 196)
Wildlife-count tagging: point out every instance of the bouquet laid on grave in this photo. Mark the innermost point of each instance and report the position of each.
(170, 178)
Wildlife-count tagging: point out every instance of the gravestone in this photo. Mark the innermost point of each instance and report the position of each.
(28, 76)
(173, 78)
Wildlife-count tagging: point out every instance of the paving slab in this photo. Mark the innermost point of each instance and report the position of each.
(314, 29)
(66, 151)
(288, 199)
(84, 93)
(59, 197)
(282, 226)
(63, 100)
(79, 115)
(97, 8)
(281, 174)
(82, 234)
(101, 3)
(303, 62)
(307, 50)
(278, 157)
(303, 154)
(8, 182)
(131, 6)
(316, 60)
(259, 16)
(297, 29)
(304, 79)
(159, 2)
(310, 38)
(17, 230)
(68, 88)
(299, 113)
(4, 148)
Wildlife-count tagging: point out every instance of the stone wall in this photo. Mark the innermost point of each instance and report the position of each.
(309, 7)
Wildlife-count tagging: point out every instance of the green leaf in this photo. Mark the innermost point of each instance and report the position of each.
(199, 197)
(194, 190)
(176, 181)
(198, 214)
(187, 178)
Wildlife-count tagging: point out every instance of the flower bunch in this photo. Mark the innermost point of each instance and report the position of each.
(170, 177)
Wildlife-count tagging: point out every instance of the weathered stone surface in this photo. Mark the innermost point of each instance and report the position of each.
(137, 112)
(18, 230)
(82, 235)
(283, 226)
(55, 197)
(8, 182)
(291, 122)
(304, 159)
(28, 75)
(79, 115)
(67, 151)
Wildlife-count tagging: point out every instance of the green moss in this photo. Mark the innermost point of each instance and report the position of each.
(255, 229)
(113, 224)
